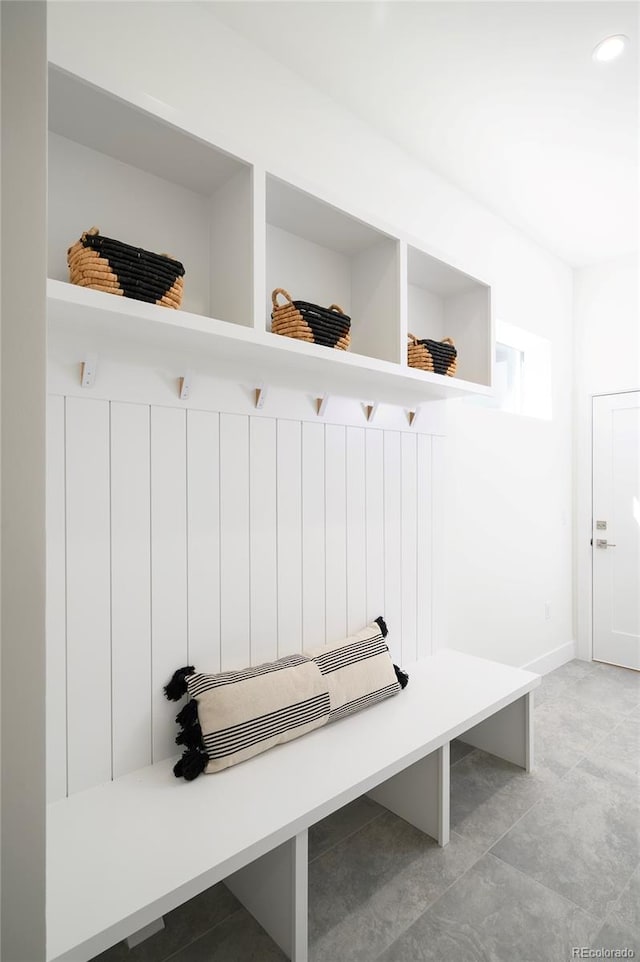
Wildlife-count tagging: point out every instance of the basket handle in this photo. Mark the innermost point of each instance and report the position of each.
(274, 297)
(448, 340)
(413, 338)
(336, 307)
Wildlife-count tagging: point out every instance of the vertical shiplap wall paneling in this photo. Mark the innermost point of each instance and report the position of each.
(88, 594)
(56, 603)
(203, 539)
(191, 537)
(235, 591)
(313, 533)
(356, 531)
(438, 542)
(335, 533)
(130, 587)
(424, 560)
(168, 567)
(374, 495)
(409, 547)
(393, 542)
(289, 459)
(264, 545)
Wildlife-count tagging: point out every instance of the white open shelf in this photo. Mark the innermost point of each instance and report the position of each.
(140, 174)
(84, 322)
(323, 255)
(444, 302)
(150, 184)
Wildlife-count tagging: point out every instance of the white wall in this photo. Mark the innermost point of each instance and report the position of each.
(257, 107)
(607, 360)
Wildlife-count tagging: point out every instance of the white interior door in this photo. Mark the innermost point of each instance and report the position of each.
(616, 529)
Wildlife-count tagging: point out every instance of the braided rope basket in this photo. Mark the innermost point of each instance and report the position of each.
(440, 357)
(329, 326)
(109, 265)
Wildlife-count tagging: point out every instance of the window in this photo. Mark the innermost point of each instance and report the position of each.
(508, 378)
(522, 373)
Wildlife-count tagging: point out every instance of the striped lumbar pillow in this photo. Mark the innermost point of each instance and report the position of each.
(358, 671)
(234, 715)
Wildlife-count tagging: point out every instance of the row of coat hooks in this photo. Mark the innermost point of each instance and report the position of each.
(90, 365)
(370, 410)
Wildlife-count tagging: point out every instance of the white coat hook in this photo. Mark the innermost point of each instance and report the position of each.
(370, 410)
(89, 368)
(261, 394)
(321, 405)
(184, 385)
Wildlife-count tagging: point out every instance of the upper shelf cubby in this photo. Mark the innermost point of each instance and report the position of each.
(445, 302)
(152, 184)
(322, 254)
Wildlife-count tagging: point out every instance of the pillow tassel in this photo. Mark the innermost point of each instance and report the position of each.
(402, 676)
(192, 764)
(177, 687)
(380, 622)
(190, 737)
(188, 715)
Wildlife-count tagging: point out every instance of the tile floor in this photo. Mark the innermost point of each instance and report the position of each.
(537, 864)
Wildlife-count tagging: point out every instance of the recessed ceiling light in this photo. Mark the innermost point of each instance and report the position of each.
(610, 48)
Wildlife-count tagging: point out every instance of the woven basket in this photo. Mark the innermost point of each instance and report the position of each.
(441, 357)
(328, 326)
(109, 265)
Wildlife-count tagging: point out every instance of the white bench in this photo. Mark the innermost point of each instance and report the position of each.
(125, 853)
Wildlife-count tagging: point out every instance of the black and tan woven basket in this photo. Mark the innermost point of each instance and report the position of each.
(109, 265)
(441, 357)
(328, 326)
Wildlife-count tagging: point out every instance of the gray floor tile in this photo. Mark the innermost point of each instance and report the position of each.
(238, 939)
(458, 751)
(574, 670)
(365, 892)
(617, 756)
(338, 826)
(488, 795)
(626, 910)
(619, 687)
(495, 914)
(182, 925)
(562, 680)
(614, 936)
(582, 841)
(623, 744)
(565, 728)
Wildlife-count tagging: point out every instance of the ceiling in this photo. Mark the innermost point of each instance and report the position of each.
(501, 98)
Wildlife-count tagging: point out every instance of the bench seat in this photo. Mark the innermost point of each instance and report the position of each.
(121, 855)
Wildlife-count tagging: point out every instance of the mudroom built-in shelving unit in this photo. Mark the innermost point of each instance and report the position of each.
(137, 170)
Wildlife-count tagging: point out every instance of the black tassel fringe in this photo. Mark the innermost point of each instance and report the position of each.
(402, 676)
(188, 715)
(177, 687)
(190, 737)
(382, 625)
(192, 764)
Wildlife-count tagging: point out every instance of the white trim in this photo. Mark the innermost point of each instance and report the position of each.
(553, 659)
